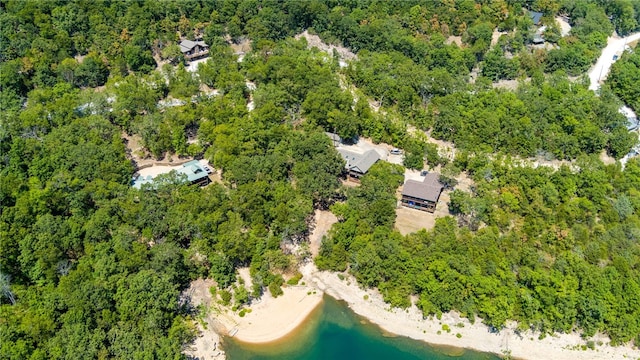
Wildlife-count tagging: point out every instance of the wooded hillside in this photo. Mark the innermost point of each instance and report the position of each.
(91, 267)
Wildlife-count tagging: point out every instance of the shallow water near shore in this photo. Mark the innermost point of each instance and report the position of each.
(335, 332)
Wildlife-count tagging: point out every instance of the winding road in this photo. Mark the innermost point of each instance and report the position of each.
(601, 69)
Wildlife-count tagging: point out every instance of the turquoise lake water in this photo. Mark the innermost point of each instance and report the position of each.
(334, 332)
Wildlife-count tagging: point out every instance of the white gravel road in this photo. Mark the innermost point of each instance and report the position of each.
(601, 69)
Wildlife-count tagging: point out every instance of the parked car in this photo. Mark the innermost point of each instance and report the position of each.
(395, 152)
(424, 173)
(207, 169)
(615, 57)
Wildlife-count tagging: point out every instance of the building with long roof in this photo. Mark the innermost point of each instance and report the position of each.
(358, 164)
(422, 195)
(192, 172)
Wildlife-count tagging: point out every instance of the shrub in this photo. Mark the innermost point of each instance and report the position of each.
(225, 295)
(275, 289)
(295, 279)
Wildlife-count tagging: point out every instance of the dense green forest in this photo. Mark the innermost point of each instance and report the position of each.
(93, 268)
(554, 250)
(624, 79)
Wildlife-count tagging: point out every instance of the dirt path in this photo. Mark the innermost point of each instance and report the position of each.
(495, 36)
(323, 220)
(454, 40)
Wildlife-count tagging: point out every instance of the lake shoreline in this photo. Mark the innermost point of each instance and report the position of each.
(273, 320)
(410, 323)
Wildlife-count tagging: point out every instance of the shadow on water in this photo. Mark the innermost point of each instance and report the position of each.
(334, 332)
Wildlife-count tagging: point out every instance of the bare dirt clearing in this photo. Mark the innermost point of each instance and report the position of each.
(565, 28)
(205, 346)
(315, 41)
(323, 220)
(454, 40)
(241, 48)
(411, 220)
(141, 157)
(508, 84)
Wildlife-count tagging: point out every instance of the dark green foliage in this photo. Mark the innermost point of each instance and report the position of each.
(494, 120)
(91, 72)
(497, 67)
(367, 215)
(91, 268)
(543, 257)
(624, 79)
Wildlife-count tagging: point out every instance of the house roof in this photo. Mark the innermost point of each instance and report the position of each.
(432, 179)
(535, 17)
(538, 39)
(359, 162)
(192, 169)
(429, 189)
(187, 45)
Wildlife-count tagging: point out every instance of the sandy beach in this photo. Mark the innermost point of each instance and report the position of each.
(273, 318)
(269, 320)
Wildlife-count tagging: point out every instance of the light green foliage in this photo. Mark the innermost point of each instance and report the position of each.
(295, 279)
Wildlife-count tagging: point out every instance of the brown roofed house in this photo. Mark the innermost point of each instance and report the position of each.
(422, 195)
(193, 50)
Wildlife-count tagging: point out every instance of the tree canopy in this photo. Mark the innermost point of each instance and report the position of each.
(91, 267)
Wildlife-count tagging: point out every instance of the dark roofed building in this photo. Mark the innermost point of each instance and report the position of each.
(422, 195)
(193, 50)
(358, 164)
(535, 17)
